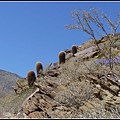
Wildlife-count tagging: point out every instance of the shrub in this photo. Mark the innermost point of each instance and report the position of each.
(75, 94)
(74, 90)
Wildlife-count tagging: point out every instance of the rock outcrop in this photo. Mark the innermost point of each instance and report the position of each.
(42, 103)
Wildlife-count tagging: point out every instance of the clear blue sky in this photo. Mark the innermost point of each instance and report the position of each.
(34, 31)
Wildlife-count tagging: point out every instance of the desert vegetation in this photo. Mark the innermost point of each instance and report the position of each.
(75, 86)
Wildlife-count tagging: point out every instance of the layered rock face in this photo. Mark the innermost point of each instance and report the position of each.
(42, 103)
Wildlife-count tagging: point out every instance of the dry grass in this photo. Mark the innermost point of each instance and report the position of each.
(103, 112)
(12, 103)
(75, 90)
(75, 94)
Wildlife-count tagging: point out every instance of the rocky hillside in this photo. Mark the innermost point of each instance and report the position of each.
(77, 88)
(7, 79)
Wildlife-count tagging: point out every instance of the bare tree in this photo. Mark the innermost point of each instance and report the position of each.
(93, 22)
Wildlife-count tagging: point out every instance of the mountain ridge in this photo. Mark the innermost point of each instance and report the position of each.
(7, 79)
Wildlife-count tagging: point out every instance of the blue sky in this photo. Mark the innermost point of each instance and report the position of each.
(34, 31)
